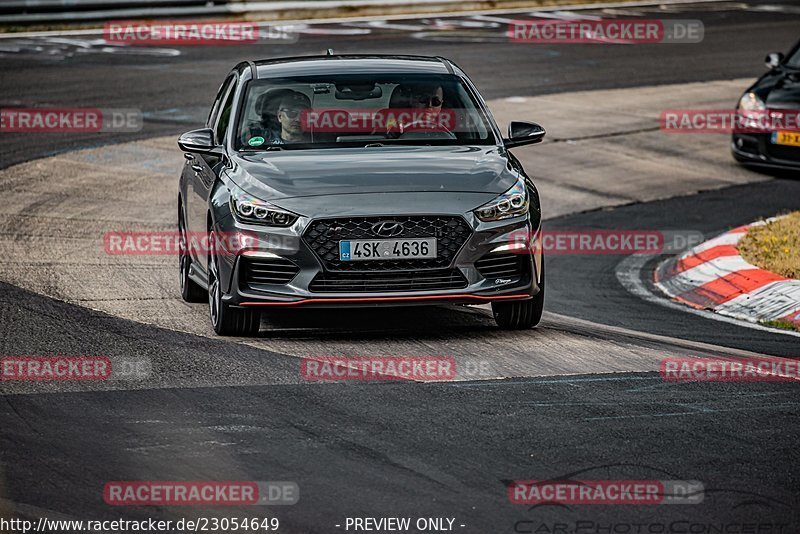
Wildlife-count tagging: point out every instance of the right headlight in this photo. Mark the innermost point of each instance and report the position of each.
(249, 209)
(512, 203)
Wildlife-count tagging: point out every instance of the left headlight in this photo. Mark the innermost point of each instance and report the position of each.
(512, 203)
(249, 209)
(751, 102)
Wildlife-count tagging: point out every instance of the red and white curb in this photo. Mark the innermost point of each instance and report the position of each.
(714, 276)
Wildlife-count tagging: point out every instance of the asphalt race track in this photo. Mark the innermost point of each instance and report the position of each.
(578, 397)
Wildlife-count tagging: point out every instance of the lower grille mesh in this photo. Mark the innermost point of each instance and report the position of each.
(497, 265)
(275, 271)
(784, 152)
(377, 282)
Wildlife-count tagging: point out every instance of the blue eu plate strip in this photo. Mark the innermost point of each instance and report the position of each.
(344, 250)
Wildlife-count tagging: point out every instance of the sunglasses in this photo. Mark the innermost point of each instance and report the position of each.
(292, 113)
(433, 101)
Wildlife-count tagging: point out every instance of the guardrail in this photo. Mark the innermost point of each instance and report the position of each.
(44, 6)
(16, 14)
(24, 12)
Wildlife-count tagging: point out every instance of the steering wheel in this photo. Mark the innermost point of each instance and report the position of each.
(421, 129)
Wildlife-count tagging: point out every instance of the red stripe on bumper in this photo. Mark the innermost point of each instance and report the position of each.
(386, 299)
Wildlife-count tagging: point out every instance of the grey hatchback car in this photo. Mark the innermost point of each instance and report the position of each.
(357, 181)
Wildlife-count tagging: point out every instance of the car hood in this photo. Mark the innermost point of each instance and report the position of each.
(785, 94)
(408, 169)
(780, 90)
(387, 204)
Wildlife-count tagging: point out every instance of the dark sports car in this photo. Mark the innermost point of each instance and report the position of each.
(777, 95)
(336, 181)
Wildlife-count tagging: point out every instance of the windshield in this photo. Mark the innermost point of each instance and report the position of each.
(347, 110)
(793, 61)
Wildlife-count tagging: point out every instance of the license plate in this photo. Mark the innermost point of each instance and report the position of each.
(387, 249)
(786, 138)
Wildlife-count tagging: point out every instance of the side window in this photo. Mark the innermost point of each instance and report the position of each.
(223, 90)
(224, 115)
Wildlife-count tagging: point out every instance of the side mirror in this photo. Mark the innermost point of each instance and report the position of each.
(200, 141)
(773, 60)
(523, 133)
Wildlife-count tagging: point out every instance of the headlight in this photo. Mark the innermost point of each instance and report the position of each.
(751, 102)
(512, 203)
(752, 114)
(249, 209)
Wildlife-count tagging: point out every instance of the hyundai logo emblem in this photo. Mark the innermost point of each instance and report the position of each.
(387, 228)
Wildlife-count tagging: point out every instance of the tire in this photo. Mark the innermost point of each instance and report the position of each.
(227, 320)
(190, 290)
(523, 314)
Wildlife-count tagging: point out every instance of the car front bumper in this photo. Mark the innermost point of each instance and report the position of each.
(496, 261)
(758, 149)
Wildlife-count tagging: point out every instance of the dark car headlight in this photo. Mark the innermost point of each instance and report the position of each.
(751, 102)
(512, 203)
(247, 208)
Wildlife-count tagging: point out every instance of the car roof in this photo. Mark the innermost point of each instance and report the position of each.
(344, 64)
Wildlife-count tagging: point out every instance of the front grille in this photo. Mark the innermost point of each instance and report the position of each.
(377, 282)
(278, 271)
(323, 237)
(502, 265)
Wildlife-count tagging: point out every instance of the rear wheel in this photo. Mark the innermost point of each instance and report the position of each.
(190, 290)
(227, 320)
(522, 314)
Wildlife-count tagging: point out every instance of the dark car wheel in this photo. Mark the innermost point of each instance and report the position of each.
(190, 290)
(227, 320)
(521, 314)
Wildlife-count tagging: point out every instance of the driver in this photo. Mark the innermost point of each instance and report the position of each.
(426, 103)
(290, 110)
(427, 119)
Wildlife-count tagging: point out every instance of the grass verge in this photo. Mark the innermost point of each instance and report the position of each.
(775, 246)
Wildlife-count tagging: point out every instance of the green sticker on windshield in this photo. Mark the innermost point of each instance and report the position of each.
(256, 141)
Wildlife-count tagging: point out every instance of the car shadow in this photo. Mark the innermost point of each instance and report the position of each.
(417, 322)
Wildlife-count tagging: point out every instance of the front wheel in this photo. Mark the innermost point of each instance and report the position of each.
(227, 320)
(523, 314)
